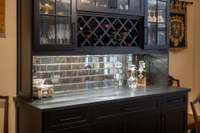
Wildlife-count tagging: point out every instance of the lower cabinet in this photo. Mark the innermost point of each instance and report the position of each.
(145, 114)
(175, 121)
(146, 122)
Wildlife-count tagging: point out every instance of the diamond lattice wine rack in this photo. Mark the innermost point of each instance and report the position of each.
(106, 31)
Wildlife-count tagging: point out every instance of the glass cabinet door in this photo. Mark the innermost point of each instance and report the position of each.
(156, 24)
(161, 24)
(55, 22)
(152, 20)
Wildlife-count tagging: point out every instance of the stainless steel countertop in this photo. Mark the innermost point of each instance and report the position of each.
(91, 96)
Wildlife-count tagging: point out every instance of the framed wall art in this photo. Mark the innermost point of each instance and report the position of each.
(178, 32)
(2, 18)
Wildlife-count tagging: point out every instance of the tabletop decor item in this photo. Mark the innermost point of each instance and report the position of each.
(42, 88)
(46, 7)
(2, 18)
(132, 76)
(142, 81)
(178, 34)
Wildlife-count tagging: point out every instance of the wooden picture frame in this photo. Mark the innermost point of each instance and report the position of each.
(178, 19)
(2, 18)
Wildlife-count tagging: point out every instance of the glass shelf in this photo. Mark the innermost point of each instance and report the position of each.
(54, 15)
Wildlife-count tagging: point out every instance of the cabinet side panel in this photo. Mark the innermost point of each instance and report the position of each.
(29, 120)
(24, 47)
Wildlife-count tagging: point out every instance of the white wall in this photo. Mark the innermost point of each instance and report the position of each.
(8, 61)
(196, 90)
(185, 64)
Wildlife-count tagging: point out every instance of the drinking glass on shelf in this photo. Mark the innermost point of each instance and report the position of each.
(67, 34)
(59, 34)
(123, 4)
(63, 34)
(47, 30)
(51, 34)
(43, 38)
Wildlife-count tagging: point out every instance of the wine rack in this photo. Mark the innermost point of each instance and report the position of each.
(108, 31)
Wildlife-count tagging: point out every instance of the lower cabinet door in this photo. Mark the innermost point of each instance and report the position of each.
(175, 121)
(146, 122)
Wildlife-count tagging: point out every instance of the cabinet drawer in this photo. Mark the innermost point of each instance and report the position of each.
(143, 104)
(116, 109)
(108, 110)
(62, 119)
(176, 99)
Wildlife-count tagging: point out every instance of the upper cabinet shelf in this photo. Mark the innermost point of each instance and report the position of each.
(131, 7)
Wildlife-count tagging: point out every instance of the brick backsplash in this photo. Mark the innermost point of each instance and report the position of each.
(84, 72)
(77, 72)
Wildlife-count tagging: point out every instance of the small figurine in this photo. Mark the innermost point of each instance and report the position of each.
(41, 89)
(45, 8)
(142, 74)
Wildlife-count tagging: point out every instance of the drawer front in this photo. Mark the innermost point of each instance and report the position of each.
(143, 104)
(108, 110)
(63, 119)
(115, 109)
(177, 99)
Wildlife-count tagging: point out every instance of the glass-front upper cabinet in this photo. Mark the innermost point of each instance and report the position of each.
(156, 25)
(53, 26)
(132, 7)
